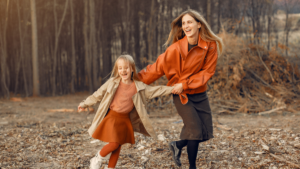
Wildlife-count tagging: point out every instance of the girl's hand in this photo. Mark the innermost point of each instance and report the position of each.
(80, 109)
(177, 88)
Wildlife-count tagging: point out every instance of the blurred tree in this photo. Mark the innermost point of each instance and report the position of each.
(3, 45)
(77, 47)
(36, 87)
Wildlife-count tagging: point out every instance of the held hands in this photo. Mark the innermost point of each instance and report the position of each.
(80, 109)
(177, 88)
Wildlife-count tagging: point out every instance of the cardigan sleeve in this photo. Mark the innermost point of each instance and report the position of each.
(156, 91)
(208, 70)
(96, 96)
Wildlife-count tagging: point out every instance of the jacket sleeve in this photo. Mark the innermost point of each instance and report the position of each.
(96, 96)
(153, 72)
(208, 70)
(156, 91)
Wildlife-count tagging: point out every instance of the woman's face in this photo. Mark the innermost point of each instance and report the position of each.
(190, 26)
(124, 70)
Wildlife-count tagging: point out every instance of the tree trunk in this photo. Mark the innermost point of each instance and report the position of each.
(253, 17)
(73, 62)
(93, 45)
(136, 35)
(35, 64)
(219, 15)
(151, 30)
(107, 40)
(57, 33)
(208, 12)
(287, 28)
(100, 42)
(127, 27)
(145, 38)
(4, 53)
(87, 54)
(241, 21)
(269, 23)
(21, 49)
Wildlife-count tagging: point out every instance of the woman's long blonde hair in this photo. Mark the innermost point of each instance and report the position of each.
(205, 31)
(129, 59)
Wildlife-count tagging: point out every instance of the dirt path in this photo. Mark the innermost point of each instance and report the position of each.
(31, 136)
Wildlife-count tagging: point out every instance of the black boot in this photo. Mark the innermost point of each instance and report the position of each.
(176, 152)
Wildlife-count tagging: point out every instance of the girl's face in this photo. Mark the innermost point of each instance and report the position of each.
(190, 26)
(124, 70)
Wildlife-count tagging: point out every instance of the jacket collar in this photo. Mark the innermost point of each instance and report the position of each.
(138, 84)
(183, 44)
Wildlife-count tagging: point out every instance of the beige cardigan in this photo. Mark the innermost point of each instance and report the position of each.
(138, 116)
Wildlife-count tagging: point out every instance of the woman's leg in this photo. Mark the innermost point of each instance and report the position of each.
(192, 150)
(181, 143)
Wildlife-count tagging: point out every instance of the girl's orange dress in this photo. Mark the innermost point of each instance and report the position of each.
(116, 125)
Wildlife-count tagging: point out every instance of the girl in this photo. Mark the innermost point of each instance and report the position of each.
(122, 110)
(188, 64)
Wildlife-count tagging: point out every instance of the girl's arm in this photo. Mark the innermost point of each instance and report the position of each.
(156, 91)
(95, 97)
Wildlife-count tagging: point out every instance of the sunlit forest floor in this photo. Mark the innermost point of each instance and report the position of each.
(48, 132)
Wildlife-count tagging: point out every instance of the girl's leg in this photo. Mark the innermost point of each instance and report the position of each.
(97, 161)
(114, 158)
(108, 148)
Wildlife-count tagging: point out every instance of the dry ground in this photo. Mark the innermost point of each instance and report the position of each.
(31, 136)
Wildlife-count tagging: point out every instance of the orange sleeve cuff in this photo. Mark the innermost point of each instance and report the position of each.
(185, 85)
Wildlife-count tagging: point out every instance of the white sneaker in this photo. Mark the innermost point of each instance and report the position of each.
(96, 162)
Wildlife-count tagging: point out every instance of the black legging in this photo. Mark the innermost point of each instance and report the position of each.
(192, 149)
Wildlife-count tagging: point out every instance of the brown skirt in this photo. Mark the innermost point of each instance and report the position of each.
(115, 127)
(196, 117)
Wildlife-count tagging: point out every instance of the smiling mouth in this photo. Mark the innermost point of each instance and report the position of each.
(187, 31)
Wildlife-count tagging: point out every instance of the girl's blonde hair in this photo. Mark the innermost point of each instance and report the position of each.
(129, 59)
(205, 31)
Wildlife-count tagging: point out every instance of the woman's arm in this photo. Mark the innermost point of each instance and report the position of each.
(154, 71)
(95, 97)
(208, 70)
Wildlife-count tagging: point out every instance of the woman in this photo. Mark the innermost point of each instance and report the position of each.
(188, 64)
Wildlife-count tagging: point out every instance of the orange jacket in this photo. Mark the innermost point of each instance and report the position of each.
(193, 69)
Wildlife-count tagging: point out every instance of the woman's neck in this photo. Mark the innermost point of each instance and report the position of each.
(128, 81)
(194, 39)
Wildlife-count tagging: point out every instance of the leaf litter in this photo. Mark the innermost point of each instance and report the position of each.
(33, 137)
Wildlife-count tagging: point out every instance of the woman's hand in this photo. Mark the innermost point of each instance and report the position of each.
(80, 109)
(177, 88)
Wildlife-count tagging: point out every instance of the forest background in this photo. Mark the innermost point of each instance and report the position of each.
(58, 47)
(63, 50)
